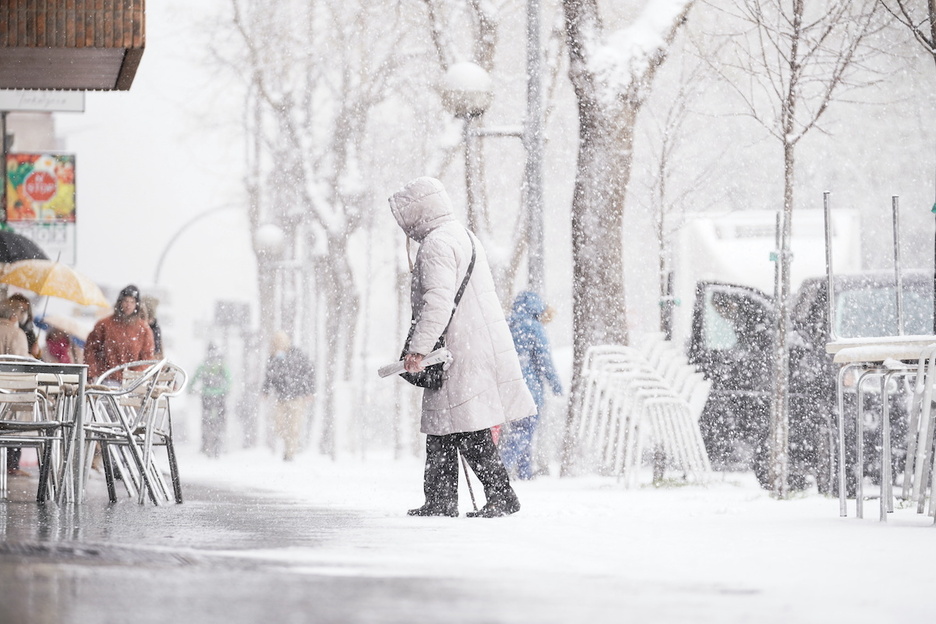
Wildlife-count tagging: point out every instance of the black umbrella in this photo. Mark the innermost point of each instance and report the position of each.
(15, 247)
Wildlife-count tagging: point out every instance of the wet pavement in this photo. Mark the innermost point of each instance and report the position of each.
(317, 540)
(206, 560)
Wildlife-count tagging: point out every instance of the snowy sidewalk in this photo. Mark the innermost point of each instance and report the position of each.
(585, 549)
(321, 541)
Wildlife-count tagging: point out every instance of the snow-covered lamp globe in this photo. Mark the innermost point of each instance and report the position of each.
(269, 240)
(466, 90)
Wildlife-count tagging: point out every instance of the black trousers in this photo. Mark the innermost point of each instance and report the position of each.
(13, 458)
(440, 483)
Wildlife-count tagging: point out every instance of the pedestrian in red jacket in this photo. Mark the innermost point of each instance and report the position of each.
(120, 338)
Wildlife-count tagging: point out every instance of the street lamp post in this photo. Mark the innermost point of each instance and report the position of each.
(533, 142)
(466, 93)
(270, 241)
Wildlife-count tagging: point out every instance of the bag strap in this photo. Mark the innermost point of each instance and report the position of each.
(464, 284)
(458, 294)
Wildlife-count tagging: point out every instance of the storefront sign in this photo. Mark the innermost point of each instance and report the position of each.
(39, 100)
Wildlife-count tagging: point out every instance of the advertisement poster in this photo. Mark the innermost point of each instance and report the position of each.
(40, 188)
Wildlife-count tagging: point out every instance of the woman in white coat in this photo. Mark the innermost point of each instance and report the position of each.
(484, 385)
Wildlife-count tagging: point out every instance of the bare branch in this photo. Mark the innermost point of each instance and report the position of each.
(437, 31)
(923, 29)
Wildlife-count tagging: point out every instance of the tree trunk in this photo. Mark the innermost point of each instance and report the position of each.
(780, 405)
(599, 315)
(607, 114)
(342, 305)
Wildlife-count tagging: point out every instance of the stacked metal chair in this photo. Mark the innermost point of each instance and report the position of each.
(635, 399)
(130, 421)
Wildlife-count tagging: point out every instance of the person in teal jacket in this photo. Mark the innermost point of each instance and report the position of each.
(532, 345)
(214, 380)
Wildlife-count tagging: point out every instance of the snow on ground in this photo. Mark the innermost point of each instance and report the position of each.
(721, 552)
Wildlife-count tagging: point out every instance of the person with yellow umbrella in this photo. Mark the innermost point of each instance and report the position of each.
(56, 279)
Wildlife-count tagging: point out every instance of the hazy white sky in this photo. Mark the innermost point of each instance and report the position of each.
(144, 170)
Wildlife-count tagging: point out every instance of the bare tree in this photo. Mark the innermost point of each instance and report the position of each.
(919, 17)
(313, 73)
(611, 72)
(668, 128)
(790, 62)
(481, 19)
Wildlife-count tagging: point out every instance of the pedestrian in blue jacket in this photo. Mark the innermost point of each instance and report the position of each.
(532, 345)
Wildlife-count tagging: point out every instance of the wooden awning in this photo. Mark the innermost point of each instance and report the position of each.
(93, 45)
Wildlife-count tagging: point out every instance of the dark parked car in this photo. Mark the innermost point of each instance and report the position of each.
(732, 343)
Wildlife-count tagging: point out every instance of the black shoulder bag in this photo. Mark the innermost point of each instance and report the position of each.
(431, 376)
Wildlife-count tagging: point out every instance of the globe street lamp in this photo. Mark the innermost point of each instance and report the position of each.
(269, 241)
(466, 90)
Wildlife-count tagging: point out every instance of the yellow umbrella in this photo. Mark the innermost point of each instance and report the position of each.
(54, 279)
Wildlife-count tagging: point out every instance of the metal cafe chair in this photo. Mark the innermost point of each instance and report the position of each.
(918, 483)
(880, 358)
(28, 418)
(129, 420)
(169, 383)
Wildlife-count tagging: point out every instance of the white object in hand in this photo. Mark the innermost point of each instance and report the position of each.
(439, 355)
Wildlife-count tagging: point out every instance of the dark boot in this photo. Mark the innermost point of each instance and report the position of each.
(440, 480)
(479, 451)
(495, 508)
(434, 510)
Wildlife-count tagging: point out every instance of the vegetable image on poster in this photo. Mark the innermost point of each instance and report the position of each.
(41, 187)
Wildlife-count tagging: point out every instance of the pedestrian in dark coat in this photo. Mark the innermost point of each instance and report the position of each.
(289, 376)
(532, 344)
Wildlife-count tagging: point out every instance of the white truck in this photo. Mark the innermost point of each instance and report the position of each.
(738, 247)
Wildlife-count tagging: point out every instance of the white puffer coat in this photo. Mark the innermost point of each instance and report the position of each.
(484, 386)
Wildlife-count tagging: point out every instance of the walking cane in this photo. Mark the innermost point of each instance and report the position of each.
(467, 480)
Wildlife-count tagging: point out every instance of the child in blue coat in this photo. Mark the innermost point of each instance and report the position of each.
(529, 336)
